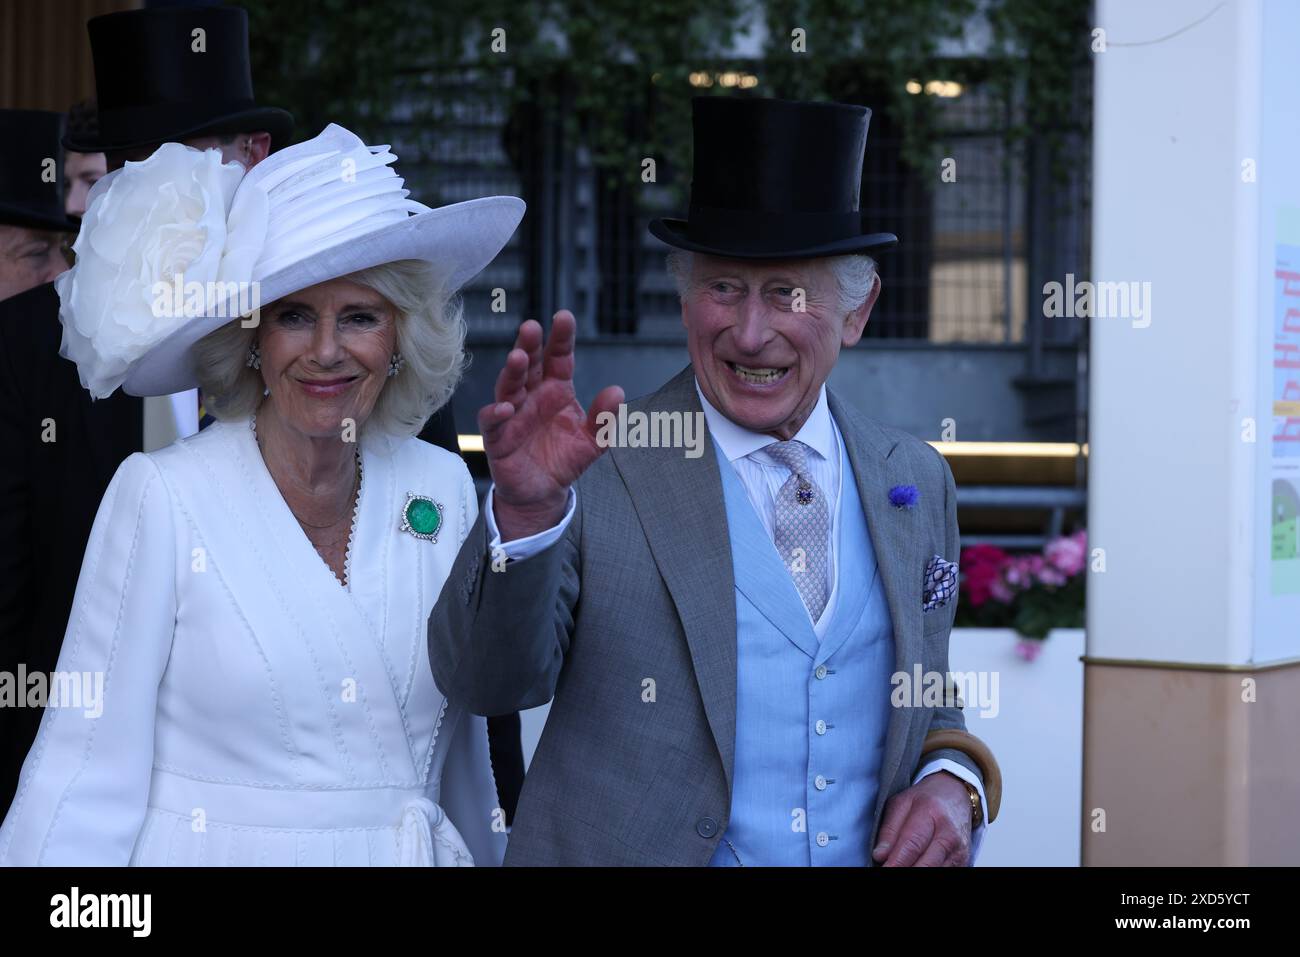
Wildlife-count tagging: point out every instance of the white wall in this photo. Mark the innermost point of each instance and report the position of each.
(1171, 483)
(1036, 735)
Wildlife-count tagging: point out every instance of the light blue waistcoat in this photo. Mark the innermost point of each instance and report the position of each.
(811, 716)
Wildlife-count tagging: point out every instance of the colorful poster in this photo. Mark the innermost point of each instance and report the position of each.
(1285, 537)
(1284, 503)
(1286, 353)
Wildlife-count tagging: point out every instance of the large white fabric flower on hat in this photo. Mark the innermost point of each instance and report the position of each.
(158, 246)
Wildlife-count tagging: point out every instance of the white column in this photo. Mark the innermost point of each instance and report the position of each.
(1196, 200)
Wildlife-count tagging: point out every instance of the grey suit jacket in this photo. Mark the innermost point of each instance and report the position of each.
(640, 586)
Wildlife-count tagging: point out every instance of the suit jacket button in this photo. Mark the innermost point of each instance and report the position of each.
(706, 827)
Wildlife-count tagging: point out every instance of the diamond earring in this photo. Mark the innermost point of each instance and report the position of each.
(395, 364)
(254, 356)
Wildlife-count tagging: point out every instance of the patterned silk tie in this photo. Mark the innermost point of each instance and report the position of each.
(802, 526)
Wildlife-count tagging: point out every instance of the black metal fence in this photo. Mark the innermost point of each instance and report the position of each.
(974, 252)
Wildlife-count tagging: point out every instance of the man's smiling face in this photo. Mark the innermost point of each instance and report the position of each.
(758, 360)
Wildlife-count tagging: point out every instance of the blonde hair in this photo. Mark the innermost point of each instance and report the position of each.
(430, 337)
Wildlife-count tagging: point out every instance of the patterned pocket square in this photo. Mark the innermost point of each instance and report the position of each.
(940, 583)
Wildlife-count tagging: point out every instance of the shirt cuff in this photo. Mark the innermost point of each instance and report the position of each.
(971, 778)
(521, 548)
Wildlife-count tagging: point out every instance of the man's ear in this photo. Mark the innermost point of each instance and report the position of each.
(259, 147)
(856, 321)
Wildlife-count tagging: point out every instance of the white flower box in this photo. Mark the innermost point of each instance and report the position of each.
(1036, 736)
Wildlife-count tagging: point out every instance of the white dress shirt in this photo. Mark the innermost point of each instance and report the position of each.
(763, 477)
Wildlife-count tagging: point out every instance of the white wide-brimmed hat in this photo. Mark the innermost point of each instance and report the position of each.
(178, 245)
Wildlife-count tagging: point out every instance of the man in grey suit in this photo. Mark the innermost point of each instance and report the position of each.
(731, 634)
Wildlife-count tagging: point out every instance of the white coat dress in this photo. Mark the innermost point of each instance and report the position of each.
(255, 710)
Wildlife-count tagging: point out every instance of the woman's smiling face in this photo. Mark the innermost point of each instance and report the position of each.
(325, 352)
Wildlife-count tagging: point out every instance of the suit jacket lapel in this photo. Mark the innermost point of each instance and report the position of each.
(898, 555)
(679, 503)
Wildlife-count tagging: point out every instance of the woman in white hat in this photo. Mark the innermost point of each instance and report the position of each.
(249, 630)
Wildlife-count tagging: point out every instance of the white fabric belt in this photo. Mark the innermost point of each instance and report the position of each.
(426, 837)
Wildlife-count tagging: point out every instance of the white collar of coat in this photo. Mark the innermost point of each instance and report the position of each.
(737, 442)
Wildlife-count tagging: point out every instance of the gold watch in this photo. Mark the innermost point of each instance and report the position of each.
(976, 809)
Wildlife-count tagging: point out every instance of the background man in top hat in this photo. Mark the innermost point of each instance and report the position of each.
(161, 75)
(722, 633)
(34, 227)
(82, 170)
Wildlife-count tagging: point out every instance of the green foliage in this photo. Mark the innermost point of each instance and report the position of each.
(617, 71)
(1038, 610)
(1033, 612)
(1044, 45)
(881, 45)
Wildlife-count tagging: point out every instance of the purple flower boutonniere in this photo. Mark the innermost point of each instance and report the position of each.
(903, 496)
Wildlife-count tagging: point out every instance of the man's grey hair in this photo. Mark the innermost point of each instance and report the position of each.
(430, 338)
(854, 274)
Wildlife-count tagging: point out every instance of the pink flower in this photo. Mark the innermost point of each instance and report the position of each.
(1015, 573)
(1068, 554)
(981, 566)
(1022, 570)
(1028, 648)
(983, 555)
(1051, 576)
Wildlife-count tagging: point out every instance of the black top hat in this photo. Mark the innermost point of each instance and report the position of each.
(158, 79)
(31, 171)
(775, 179)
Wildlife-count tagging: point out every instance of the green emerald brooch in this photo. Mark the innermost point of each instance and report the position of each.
(422, 517)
